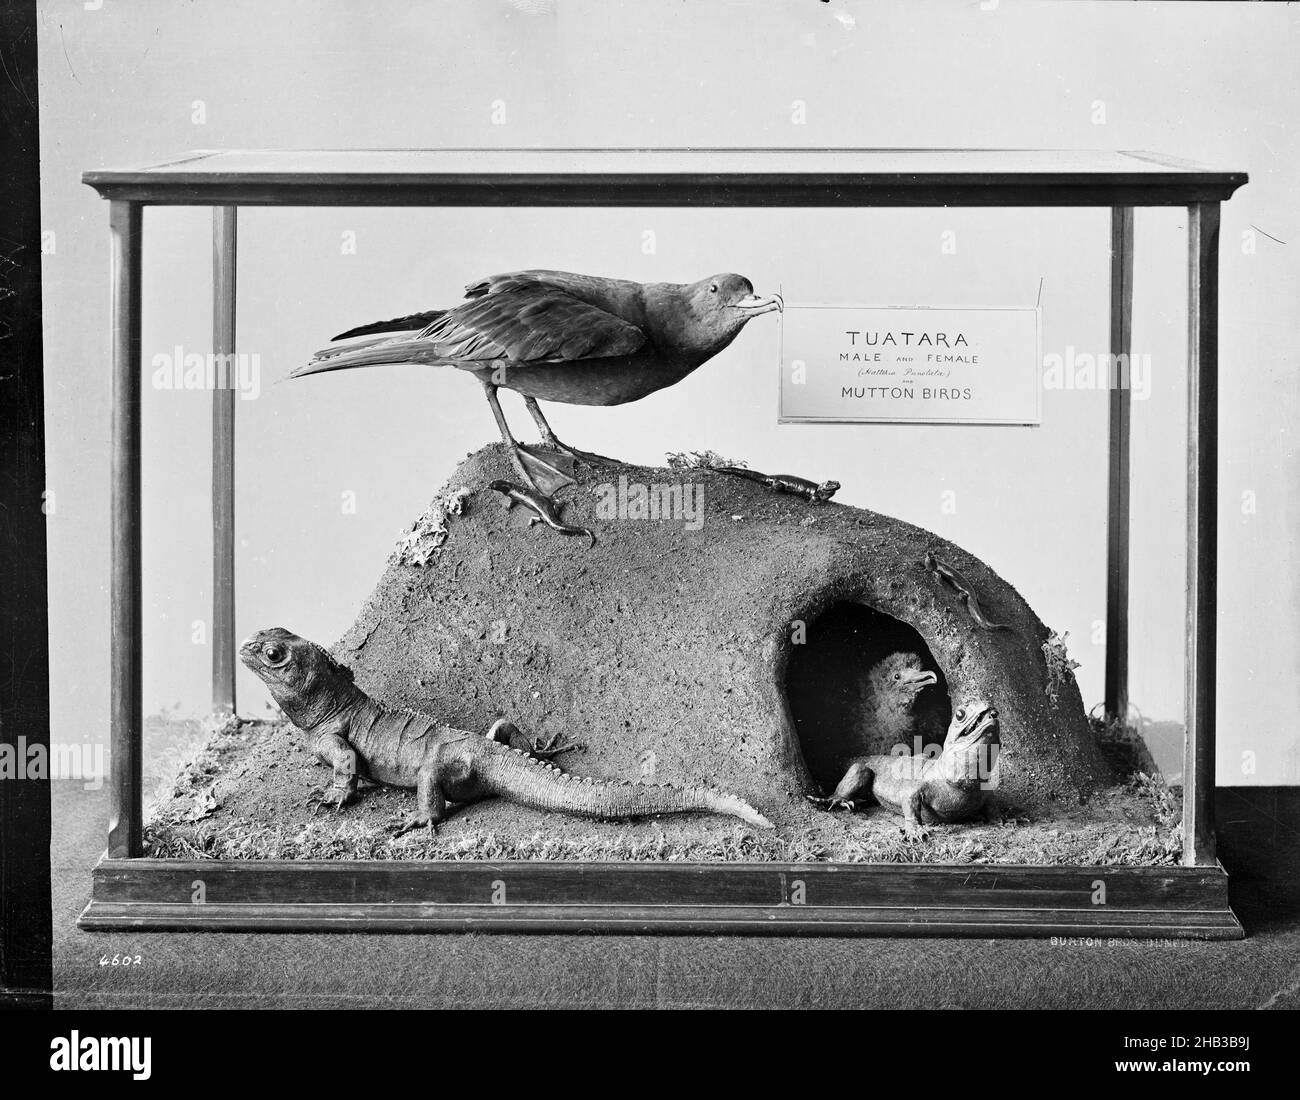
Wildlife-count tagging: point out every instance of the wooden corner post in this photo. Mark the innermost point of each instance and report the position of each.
(1202, 530)
(224, 257)
(126, 644)
(1117, 492)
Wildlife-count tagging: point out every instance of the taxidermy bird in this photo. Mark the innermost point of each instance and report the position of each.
(556, 336)
(896, 683)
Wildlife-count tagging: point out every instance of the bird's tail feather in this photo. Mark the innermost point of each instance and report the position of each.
(404, 347)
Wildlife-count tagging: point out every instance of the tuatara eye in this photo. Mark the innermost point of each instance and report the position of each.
(273, 652)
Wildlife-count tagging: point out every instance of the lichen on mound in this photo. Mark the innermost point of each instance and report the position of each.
(422, 539)
(244, 796)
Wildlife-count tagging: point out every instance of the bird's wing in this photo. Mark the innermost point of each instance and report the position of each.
(513, 280)
(521, 317)
(397, 324)
(530, 322)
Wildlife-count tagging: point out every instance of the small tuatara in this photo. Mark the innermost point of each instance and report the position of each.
(945, 574)
(543, 507)
(786, 483)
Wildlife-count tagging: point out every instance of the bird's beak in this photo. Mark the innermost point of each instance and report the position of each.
(918, 679)
(754, 304)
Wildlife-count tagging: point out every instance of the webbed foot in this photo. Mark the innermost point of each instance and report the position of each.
(586, 458)
(829, 803)
(551, 442)
(547, 470)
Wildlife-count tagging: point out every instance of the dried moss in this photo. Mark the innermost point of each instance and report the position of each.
(1060, 666)
(701, 460)
(243, 797)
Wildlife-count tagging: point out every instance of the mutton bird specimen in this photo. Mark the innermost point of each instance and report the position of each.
(556, 336)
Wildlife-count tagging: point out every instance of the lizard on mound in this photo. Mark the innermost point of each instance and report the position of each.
(925, 788)
(359, 737)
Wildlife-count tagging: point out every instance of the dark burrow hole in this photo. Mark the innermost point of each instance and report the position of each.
(838, 686)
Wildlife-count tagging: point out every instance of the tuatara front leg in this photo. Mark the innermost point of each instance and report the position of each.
(857, 782)
(339, 755)
(430, 802)
(825, 802)
(912, 810)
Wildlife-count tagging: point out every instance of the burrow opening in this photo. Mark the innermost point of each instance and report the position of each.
(838, 686)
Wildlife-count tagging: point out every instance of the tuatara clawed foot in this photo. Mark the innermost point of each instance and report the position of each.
(553, 746)
(410, 824)
(335, 797)
(826, 803)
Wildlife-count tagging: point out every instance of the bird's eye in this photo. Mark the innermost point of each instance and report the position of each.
(713, 288)
(897, 676)
(273, 652)
(960, 714)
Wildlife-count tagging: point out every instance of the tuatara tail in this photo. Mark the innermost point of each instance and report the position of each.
(518, 777)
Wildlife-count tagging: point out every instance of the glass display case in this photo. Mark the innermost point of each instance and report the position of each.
(703, 695)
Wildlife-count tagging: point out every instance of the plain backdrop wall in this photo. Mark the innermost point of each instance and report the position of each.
(331, 469)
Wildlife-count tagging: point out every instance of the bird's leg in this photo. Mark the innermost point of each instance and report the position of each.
(553, 441)
(538, 474)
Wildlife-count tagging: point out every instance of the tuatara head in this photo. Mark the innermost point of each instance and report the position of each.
(971, 749)
(302, 677)
(825, 491)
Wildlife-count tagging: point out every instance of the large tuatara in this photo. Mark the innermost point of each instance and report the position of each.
(925, 788)
(357, 736)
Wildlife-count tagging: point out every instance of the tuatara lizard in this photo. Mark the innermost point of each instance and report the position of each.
(545, 510)
(946, 574)
(786, 483)
(359, 737)
(924, 788)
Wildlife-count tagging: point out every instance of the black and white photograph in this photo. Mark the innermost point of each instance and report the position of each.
(681, 504)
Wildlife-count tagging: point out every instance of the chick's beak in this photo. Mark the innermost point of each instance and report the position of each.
(754, 304)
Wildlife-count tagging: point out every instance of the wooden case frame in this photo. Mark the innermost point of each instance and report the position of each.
(130, 891)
